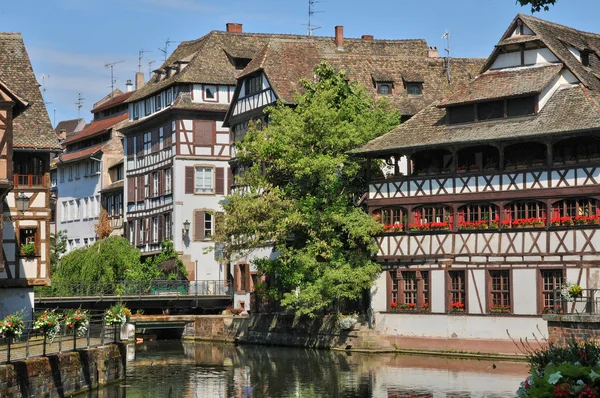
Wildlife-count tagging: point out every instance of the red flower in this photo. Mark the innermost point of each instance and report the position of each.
(587, 392)
(562, 390)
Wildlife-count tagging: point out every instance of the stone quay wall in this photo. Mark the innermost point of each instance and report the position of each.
(572, 326)
(63, 374)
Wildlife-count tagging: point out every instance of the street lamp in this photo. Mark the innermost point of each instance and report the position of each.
(186, 228)
(22, 202)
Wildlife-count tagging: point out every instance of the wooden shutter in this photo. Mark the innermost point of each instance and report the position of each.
(130, 145)
(163, 182)
(161, 227)
(189, 179)
(140, 188)
(160, 192)
(229, 180)
(199, 225)
(151, 192)
(136, 231)
(155, 141)
(220, 180)
(130, 189)
(140, 145)
(167, 134)
(204, 132)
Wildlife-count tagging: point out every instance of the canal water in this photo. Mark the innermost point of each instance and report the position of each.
(179, 369)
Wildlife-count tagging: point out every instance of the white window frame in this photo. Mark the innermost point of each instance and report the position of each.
(215, 97)
(168, 181)
(161, 139)
(78, 209)
(155, 184)
(155, 229)
(147, 143)
(168, 229)
(71, 210)
(206, 172)
(208, 226)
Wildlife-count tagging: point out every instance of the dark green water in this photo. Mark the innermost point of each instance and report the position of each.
(178, 369)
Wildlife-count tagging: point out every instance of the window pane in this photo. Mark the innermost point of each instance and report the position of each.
(521, 106)
(461, 114)
(490, 110)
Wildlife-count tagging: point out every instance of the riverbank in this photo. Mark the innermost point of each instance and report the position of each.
(324, 333)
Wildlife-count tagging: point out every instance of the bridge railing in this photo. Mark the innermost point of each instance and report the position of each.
(136, 288)
(32, 344)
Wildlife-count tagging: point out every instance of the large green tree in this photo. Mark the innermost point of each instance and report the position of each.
(537, 5)
(301, 187)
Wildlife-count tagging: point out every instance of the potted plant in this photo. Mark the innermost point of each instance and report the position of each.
(555, 309)
(500, 309)
(117, 315)
(425, 306)
(12, 325)
(47, 324)
(394, 307)
(78, 320)
(408, 307)
(506, 224)
(461, 169)
(457, 307)
(28, 249)
(570, 292)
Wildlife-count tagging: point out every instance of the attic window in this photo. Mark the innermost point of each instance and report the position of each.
(253, 85)
(414, 88)
(240, 63)
(384, 88)
(489, 110)
(585, 58)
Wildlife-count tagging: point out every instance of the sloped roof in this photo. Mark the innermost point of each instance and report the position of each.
(570, 109)
(81, 154)
(96, 128)
(210, 56)
(31, 128)
(495, 84)
(114, 101)
(69, 126)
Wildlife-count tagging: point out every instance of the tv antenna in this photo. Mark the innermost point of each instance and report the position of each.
(150, 67)
(44, 78)
(140, 56)
(311, 12)
(112, 77)
(166, 49)
(446, 36)
(79, 103)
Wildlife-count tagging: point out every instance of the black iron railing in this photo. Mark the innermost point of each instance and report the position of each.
(588, 302)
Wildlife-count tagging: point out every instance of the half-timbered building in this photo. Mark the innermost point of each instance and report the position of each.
(408, 73)
(87, 173)
(498, 205)
(26, 144)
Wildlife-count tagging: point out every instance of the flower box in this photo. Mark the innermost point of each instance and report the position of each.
(499, 309)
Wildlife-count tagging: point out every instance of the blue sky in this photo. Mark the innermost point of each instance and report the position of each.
(71, 40)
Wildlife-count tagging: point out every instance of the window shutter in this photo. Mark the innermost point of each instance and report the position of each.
(155, 141)
(130, 145)
(229, 180)
(140, 188)
(130, 189)
(163, 182)
(167, 134)
(199, 225)
(136, 228)
(161, 189)
(461, 216)
(150, 230)
(189, 179)
(161, 227)
(204, 132)
(151, 185)
(220, 180)
(140, 144)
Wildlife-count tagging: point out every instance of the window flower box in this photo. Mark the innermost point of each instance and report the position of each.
(556, 309)
(457, 307)
(461, 169)
(394, 307)
(28, 250)
(500, 309)
(393, 227)
(408, 307)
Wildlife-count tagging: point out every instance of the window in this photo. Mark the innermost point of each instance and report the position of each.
(204, 180)
(65, 212)
(457, 291)
(161, 139)
(210, 93)
(169, 97)
(62, 175)
(394, 219)
(253, 85)
(208, 225)
(384, 88)
(167, 181)
(158, 102)
(243, 285)
(410, 289)
(86, 207)
(119, 173)
(168, 233)
(78, 209)
(27, 236)
(520, 106)
(575, 207)
(118, 200)
(141, 231)
(136, 110)
(524, 209)
(461, 114)
(499, 296)
(147, 143)
(71, 210)
(469, 215)
(414, 88)
(76, 166)
(155, 184)
(132, 232)
(155, 229)
(70, 173)
(94, 167)
(551, 280)
(433, 214)
(490, 110)
(109, 205)
(148, 105)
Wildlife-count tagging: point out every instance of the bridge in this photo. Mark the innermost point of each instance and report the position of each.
(202, 295)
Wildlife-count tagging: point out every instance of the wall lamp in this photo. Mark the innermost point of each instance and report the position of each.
(22, 202)
(186, 228)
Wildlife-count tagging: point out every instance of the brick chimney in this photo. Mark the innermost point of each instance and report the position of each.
(367, 37)
(139, 80)
(339, 37)
(432, 52)
(234, 27)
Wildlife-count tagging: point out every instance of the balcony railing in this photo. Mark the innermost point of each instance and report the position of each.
(588, 302)
(30, 180)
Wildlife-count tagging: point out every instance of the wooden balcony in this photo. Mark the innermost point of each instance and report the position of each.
(486, 246)
(31, 180)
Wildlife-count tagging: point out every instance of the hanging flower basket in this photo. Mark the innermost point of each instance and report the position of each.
(118, 315)
(78, 321)
(48, 324)
(12, 325)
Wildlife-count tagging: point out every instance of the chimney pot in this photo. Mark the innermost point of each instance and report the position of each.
(433, 52)
(234, 27)
(129, 86)
(367, 37)
(139, 80)
(339, 37)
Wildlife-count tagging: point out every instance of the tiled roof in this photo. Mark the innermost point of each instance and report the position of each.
(210, 62)
(412, 77)
(81, 154)
(32, 128)
(96, 128)
(518, 40)
(495, 84)
(69, 126)
(116, 100)
(115, 186)
(570, 109)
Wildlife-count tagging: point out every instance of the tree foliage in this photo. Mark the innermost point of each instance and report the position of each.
(301, 186)
(103, 228)
(58, 247)
(165, 265)
(537, 5)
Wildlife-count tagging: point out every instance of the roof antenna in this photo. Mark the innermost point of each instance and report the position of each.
(112, 78)
(79, 103)
(166, 49)
(44, 78)
(311, 12)
(446, 36)
(140, 56)
(150, 67)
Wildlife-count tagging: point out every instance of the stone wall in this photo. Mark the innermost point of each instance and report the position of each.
(577, 326)
(63, 374)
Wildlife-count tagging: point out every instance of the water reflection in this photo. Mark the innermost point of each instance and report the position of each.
(179, 369)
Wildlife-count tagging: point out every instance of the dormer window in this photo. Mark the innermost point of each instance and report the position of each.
(210, 93)
(414, 88)
(489, 110)
(253, 85)
(413, 83)
(585, 58)
(384, 88)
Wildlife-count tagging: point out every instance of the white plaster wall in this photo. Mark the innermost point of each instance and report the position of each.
(507, 60)
(524, 291)
(562, 79)
(476, 283)
(16, 299)
(459, 326)
(378, 293)
(539, 56)
(438, 291)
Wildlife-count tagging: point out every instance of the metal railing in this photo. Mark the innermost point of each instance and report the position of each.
(32, 344)
(588, 302)
(135, 289)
